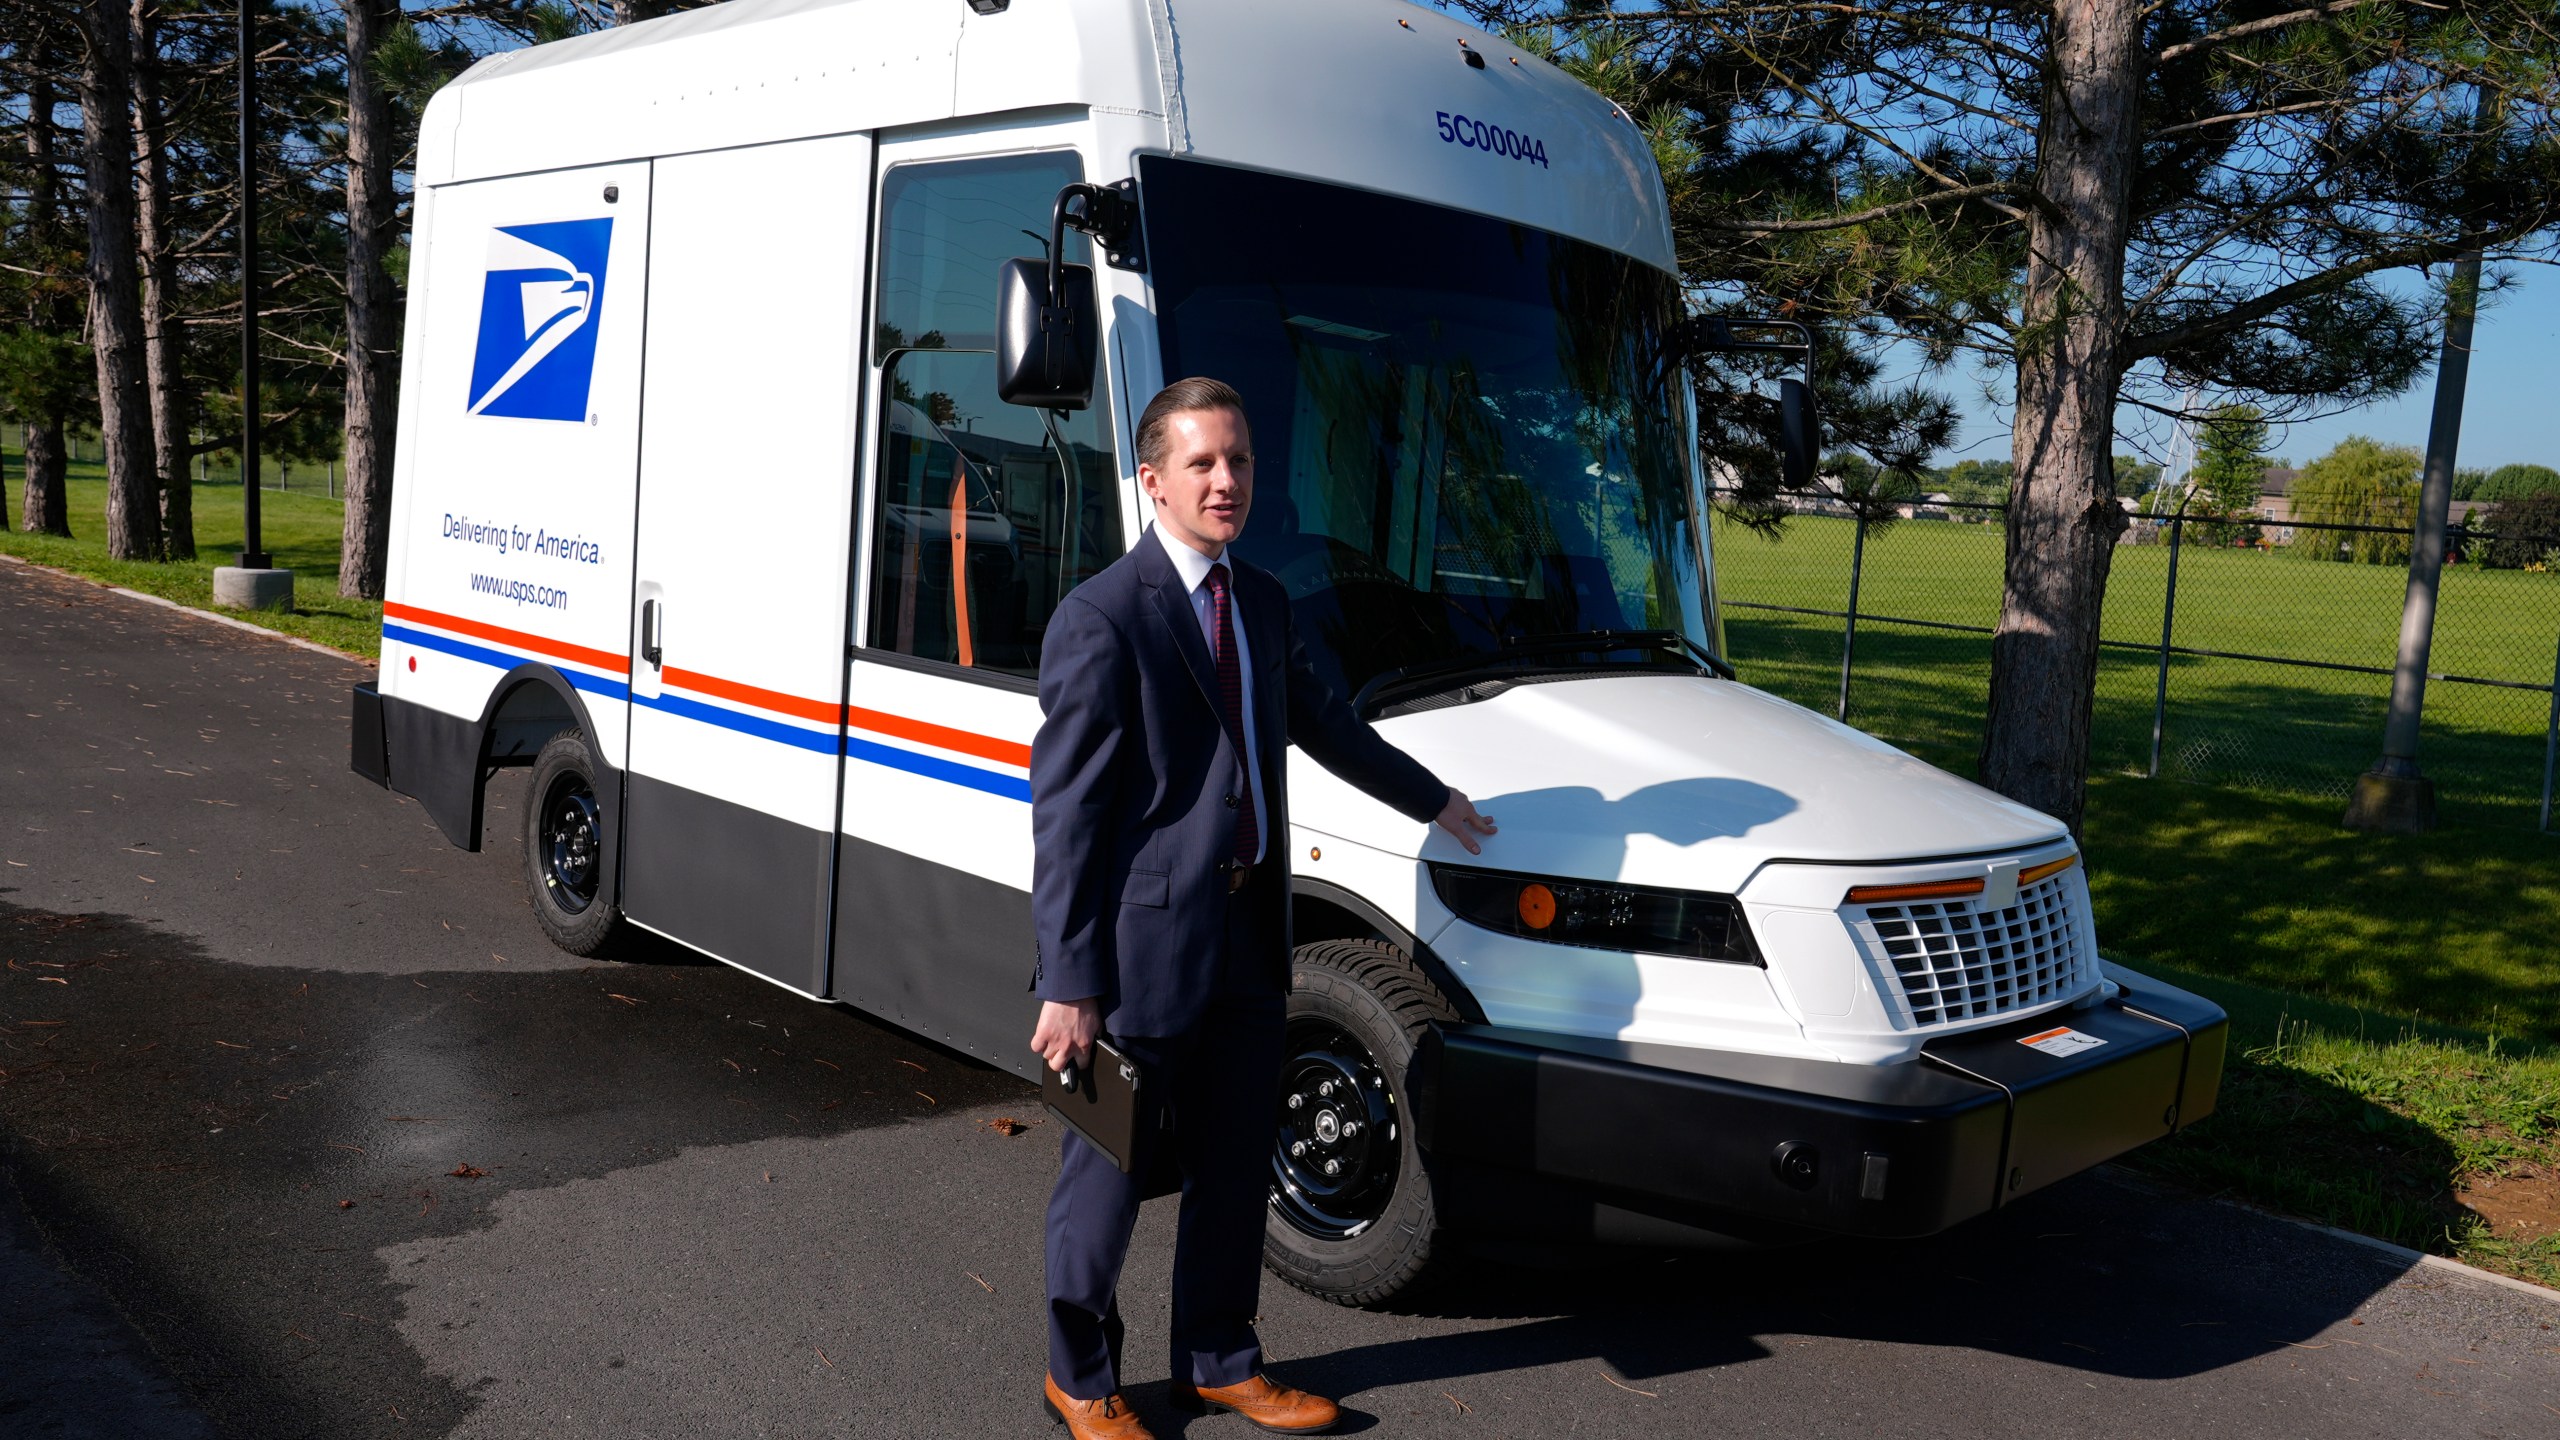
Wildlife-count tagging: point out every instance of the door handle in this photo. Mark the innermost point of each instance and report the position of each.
(650, 648)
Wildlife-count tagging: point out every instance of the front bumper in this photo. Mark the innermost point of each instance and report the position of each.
(1559, 1137)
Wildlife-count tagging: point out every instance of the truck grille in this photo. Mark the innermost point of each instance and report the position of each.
(1957, 963)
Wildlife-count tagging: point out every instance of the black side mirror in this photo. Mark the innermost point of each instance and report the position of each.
(1045, 345)
(1799, 433)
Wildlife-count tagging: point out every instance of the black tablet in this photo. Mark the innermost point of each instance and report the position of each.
(1100, 1101)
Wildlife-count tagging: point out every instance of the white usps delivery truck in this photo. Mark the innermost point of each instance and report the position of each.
(748, 441)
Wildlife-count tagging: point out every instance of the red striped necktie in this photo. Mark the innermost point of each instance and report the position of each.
(1231, 708)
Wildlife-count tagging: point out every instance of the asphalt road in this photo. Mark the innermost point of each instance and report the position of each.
(316, 1136)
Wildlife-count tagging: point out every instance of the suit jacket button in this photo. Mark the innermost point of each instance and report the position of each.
(1233, 802)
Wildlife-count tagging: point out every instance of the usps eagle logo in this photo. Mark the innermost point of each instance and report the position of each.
(538, 312)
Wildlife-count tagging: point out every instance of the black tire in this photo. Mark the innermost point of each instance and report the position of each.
(1358, 1009)
(564, 849)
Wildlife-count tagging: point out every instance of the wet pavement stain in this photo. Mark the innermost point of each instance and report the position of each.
(227, 1149)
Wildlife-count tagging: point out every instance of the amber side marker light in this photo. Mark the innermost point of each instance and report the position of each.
(1537, 906)
(1925, 890)
(2047, 870)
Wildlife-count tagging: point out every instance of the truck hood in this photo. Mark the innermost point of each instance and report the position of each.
(1681, 781)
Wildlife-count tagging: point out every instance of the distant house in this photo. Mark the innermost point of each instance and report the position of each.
(2275, 504)
(2275, 501)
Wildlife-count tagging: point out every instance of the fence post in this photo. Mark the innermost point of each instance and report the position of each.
(1849, 636)
(2551, 743)
(2168, 620)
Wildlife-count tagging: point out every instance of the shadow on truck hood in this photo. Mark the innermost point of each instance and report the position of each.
(1673, 780)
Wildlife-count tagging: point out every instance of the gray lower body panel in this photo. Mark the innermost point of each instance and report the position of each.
(746, 886)
(940, 951)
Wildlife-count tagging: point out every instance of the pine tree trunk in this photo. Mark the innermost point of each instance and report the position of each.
(2063, 516)
(161, 356)
(373, 307)
(115, 291)
(43, 508)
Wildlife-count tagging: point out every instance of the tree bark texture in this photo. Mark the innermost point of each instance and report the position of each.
(373, 306)
(162, 360)
(43, 507)
(2063, 517)
(115, 291)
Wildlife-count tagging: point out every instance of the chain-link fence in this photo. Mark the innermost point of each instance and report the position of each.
(2255, 655)
(304, 477)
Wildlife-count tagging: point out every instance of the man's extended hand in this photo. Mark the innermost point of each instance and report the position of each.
(1066, 1031)
(1460, 818)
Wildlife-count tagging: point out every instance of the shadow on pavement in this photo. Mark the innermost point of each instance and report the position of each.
(223, 1148)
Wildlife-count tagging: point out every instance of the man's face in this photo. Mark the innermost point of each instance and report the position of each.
(1206, 486)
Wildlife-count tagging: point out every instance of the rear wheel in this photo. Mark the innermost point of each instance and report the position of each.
(1352, 1218)
(564, 848)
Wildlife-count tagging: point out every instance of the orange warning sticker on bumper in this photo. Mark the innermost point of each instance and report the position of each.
(2062, 1040)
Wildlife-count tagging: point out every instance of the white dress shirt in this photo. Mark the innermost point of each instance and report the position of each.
(1193, 567)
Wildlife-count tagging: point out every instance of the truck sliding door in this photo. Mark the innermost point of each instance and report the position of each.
(747, 466)
(980, 517)
(520, 433)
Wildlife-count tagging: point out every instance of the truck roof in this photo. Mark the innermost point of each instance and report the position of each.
(1358, 92)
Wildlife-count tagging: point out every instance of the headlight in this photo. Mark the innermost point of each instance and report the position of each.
(1604, 917)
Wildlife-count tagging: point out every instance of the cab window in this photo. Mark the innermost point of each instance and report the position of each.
(985, 514)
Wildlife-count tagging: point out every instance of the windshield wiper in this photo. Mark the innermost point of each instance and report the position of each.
(1440, 675)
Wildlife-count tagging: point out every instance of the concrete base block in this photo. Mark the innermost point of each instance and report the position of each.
(2401, 804)
(238, 589)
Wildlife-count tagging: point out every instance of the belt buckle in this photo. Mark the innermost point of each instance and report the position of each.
(1236, 876)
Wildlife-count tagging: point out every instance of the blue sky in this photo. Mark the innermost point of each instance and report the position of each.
(2511, 414)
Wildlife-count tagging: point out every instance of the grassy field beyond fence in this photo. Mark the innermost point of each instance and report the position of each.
(2236, 722)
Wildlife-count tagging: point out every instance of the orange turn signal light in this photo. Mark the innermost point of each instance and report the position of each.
(1925, 890)
(2033, 874)
(1537, 906)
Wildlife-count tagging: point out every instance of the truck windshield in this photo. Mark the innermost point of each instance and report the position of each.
(1464, 434)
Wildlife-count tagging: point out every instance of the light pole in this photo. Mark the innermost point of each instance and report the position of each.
(255, 583)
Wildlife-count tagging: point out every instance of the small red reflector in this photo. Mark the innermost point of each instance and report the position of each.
(1925, 890)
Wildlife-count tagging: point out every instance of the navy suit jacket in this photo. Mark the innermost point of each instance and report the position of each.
(1132, 776)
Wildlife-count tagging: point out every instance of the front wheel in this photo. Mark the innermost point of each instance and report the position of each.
(564, 849)
(1352, 1218)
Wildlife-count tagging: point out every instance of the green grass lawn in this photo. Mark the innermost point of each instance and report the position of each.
(2232, 722)
(2410, 1132)
(301, 532)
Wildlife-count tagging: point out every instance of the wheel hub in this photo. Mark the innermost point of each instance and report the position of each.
(571, 833)
(1337, 1145)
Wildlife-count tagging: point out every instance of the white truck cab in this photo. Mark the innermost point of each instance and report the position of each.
(708, 509)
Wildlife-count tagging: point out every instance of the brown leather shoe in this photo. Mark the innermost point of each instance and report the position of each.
(1108, 1418)
(1262, 1403)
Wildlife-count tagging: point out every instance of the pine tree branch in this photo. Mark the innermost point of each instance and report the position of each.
(2269, 23)
(1876, 212)
(2249, 312)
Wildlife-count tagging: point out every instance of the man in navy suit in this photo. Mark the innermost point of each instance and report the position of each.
(1172, 685)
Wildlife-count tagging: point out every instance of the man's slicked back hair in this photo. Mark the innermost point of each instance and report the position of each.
(1198, 392)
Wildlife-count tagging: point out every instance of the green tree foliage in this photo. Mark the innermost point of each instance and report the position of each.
(2135, 476)
(2514, 482)
(301, 183)
(1977, 482)
(2231, 465)
(2359, 482)
(2524, 532)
